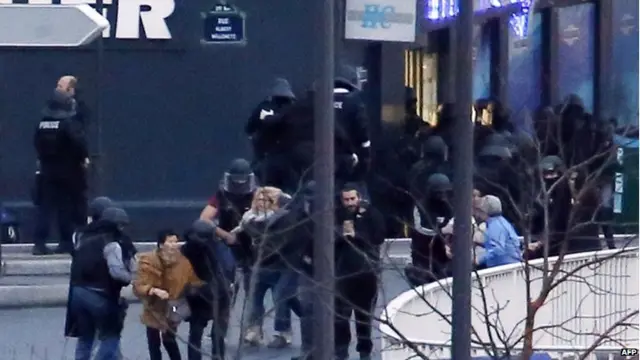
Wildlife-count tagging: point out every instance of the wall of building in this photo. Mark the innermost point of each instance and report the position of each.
(173, 110)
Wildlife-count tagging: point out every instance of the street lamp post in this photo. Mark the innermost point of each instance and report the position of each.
(463, 184)
(323, 259)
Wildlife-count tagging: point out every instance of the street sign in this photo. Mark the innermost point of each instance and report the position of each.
(49, 25)
(224, 24)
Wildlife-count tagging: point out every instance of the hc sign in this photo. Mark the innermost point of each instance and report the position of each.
(376, 15)
(381, 20)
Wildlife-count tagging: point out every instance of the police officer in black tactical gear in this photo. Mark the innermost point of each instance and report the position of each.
(213, 263)
(433, 159)
(101, 266)
(428, 252)
(264, 129)
(226, 207)
(61, 180)
(352, 119)
(552, 170)
(496, 175)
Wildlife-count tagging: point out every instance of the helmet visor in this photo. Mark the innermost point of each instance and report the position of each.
(238, 183)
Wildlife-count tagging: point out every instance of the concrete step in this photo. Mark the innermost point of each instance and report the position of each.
(43, 295)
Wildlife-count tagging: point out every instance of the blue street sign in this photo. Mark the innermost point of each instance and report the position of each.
(224, 24)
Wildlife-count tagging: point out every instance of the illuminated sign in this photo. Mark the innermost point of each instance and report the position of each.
(443, 9)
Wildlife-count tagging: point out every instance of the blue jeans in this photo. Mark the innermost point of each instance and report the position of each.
(95, 313)
(283, 284)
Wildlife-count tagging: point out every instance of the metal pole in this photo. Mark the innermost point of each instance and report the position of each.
(323, 247)
(98, 166)
(463, 184)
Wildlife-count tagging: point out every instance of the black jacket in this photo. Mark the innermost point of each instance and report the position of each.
(351, 116)
(428, 251)
(264, 128)
(359, 253)
(297, 136)
(60, 141)
(208, 267)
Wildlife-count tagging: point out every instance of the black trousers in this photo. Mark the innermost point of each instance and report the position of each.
(64, 201)
(219, 327)
(356, 295)
(168, 339)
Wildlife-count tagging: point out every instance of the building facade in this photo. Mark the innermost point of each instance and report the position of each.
(167, 108)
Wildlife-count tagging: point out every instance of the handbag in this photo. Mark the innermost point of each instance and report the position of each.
(178, 310)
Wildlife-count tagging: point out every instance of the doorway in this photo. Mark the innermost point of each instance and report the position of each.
(421, 74)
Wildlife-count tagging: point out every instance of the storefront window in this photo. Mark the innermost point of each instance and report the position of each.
(442, 9)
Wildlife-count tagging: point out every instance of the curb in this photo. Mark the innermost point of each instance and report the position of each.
(37, 296)
(25, 248)
(18, 263)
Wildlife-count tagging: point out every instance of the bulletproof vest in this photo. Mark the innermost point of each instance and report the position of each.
(50, 142)
(231, 207)
(342, 102)
(89, 267)
(435, 213)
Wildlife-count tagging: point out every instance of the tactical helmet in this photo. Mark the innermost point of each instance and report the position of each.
(116, 216)
(239, 178)
(438, 183)
(434, 145)
(347, 76)
(98, 205)
(498, 139)
(551, 163)
(500, 152)
(203, 228)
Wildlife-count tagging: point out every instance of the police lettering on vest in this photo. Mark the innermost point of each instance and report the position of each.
(337, 104)
(128, 17)
(49, 125)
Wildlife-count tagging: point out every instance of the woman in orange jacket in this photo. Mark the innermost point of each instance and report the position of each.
(163, 275)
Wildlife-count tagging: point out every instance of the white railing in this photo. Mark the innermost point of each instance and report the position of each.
(601, 290)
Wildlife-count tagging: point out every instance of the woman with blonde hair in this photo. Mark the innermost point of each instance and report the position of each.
(272, 227)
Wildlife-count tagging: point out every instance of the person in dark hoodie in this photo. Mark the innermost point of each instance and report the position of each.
(360, 234)
(271, 225)
(431, 214)
(100, 268)
(351, 116)
(213, 263)
(62, 154)
(263, 128)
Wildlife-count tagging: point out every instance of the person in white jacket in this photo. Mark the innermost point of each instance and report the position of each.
(477, 236)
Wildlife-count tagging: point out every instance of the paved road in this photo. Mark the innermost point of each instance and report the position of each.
(36, 334)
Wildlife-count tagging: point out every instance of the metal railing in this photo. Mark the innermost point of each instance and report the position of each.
(602, 292)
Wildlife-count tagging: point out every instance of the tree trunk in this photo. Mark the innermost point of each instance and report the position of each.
(527, 346)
